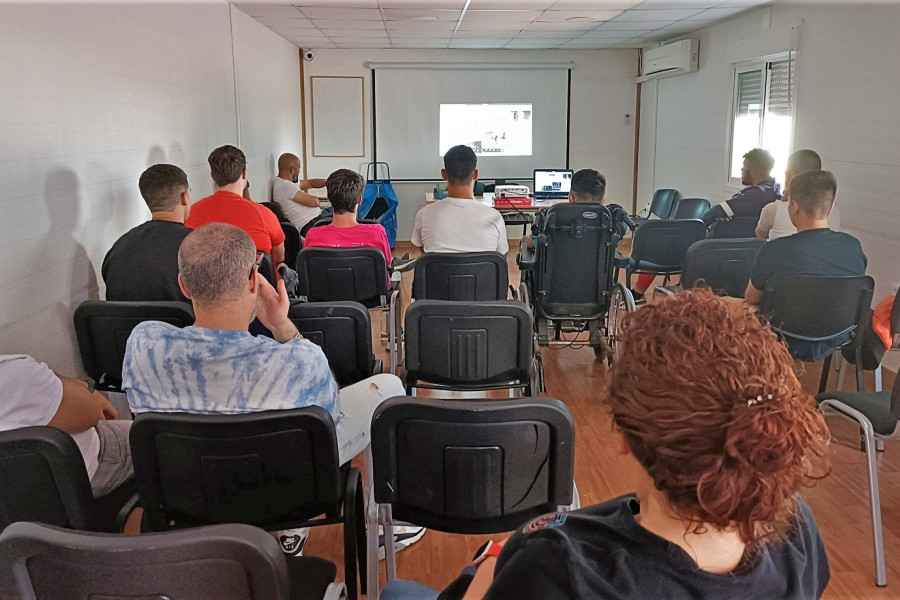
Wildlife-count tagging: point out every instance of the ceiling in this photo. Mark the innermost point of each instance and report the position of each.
(490, 24)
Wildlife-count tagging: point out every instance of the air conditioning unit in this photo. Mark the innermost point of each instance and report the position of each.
(676, 58)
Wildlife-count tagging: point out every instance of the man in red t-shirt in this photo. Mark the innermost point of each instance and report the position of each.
(345, 189)
(228, 168)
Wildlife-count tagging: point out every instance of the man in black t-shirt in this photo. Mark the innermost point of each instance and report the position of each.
(143, 264)
(813, 250)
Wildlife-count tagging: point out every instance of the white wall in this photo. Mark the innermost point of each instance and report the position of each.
(91, 96)
(846, 111)
(603, 91)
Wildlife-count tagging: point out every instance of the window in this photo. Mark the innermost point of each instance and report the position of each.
(763, 112)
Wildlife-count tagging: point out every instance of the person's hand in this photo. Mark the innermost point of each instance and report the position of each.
(272, 308)
(109, 411)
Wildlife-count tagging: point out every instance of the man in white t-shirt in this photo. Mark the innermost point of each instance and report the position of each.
(458, 223)
(774, 220)
(290, 192)
(34, 395)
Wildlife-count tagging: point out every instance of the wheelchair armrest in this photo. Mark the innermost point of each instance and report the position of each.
(527, 257)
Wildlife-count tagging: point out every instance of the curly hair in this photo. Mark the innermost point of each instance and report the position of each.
(708, 401)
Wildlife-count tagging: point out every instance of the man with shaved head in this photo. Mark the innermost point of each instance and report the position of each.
(290, 192)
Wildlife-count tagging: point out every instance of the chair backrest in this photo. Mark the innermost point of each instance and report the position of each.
(722, 265)
(690, 208)
(468, 343)
(293, 243)
(344, 332)
(223, 562)
(354, 274)
(737, 227)
(462, 277)
(665, 243)
(267, 267)
(276, 208)
(43, 479)
(472, 466)
(103, 327)
(268, 469)
(895, 316)
(810, 308)
(575, 255)
(663, 202)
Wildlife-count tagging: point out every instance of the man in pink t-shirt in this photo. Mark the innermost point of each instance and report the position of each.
(345, 189)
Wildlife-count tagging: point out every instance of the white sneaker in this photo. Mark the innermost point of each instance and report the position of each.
(293, 540)
(404, 536)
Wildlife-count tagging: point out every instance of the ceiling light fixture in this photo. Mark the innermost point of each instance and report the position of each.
(573, 19)
(423, 18)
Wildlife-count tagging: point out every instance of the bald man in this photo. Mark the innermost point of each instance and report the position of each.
(289, 191)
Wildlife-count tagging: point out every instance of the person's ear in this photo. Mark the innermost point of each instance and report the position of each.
(571, 198)
(622, 447)
(254, 281)
(444, 174)
(244, 173)
(183, 288)
(185, 198)
(475, 175)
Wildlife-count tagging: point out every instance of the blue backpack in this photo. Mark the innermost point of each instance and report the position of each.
(379, 201)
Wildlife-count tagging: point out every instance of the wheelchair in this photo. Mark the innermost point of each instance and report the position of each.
(568, 278)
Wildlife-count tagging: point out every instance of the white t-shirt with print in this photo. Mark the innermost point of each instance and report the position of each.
(30, 394)
(460, 225)
(283, 192)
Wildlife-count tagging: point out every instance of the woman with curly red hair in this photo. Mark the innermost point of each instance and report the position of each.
(725, 438)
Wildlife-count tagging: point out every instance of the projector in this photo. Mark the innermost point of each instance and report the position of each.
(511, 191)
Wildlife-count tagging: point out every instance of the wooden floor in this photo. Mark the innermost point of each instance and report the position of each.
(840, 502)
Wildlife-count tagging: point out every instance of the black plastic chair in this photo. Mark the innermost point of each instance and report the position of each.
(323, 220)
(661, 206)
(461, 277)
(721, 265)
(266, 267)
(222, 562)
(293, 243)
(344, 332)
(737, 227)
(872, 357)
(659, 247)
(279, 212)
(273, 469)
(470, 346)
(470, 467)
(356, 275)
(690, 208)
(102, 329)
(568, 278)
(827, 311)
(44, 479)
(878, 417)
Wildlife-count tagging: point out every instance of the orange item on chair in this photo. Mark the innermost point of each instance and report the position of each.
(881, 321)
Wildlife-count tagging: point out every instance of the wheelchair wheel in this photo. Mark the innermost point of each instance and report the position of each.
(622, 303)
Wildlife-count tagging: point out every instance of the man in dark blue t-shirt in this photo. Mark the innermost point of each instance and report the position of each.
(814, 249)
(761, 189)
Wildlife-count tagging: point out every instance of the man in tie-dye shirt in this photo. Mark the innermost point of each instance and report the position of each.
(217, 367)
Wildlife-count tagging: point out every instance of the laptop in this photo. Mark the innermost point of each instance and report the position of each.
(552, 184)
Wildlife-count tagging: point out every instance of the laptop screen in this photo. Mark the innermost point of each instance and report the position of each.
(552, 183)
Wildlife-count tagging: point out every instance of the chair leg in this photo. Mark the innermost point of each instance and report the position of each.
(627, 278)
(838, 363)
(874, 498)
(371, 531)
(842, 373)
(390, 558)
(361, 539)
(823, 382)
(860, 382)
(350, 529)
(878, 385)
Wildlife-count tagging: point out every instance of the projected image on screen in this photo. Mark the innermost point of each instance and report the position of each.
(489, 129)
